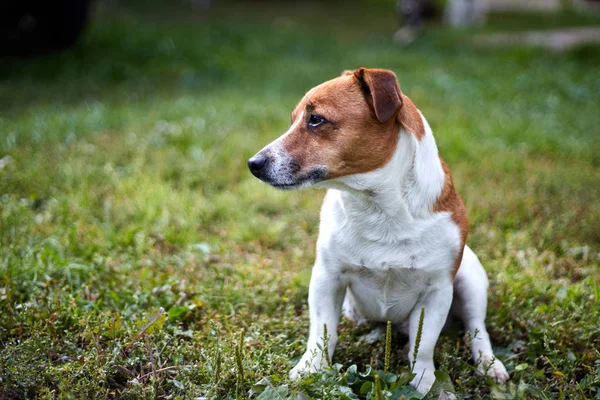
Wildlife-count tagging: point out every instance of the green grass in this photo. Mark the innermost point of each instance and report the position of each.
(127, 193)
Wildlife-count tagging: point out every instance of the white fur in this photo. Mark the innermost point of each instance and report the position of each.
(382, 248)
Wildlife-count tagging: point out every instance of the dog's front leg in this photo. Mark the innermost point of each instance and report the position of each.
(325, 299)
(437, 305)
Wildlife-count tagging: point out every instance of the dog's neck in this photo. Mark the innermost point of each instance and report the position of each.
(406, 188)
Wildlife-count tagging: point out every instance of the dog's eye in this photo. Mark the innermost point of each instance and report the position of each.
(314, 121)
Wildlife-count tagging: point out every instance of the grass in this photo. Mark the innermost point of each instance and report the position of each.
(140, 259)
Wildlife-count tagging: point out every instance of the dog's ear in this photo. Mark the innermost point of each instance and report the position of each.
(382, 91)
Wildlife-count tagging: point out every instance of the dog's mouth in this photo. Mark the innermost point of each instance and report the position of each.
(303, 181)
(284, 186)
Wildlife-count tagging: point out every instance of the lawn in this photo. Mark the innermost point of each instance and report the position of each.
(140, 259)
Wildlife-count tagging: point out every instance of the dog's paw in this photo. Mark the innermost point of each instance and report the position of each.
(493, 368)
(424, 379)
(296, 373)
(308, 364)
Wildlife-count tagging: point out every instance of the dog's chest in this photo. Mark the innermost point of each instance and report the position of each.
(388, 281)
(387, 295)
(388, 267)
(429, 245)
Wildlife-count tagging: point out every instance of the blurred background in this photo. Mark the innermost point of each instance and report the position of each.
(140, 259)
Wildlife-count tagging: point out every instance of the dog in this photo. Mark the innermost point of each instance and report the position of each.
(393, 229)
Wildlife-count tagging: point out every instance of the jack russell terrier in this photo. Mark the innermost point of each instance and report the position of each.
(393, 229)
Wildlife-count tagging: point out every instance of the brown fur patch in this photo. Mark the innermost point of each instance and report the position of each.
(450, 201)
(384, 92)
(351, 142)
(361, 133)
(410, 118)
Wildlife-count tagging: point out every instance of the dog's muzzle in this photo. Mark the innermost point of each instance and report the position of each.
(282, 172)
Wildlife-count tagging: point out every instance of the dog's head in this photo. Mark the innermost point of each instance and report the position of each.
(345, 126)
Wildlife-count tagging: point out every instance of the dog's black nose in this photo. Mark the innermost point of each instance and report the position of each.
(257, 164)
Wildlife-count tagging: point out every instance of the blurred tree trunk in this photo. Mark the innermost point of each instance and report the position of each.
(30, 27)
